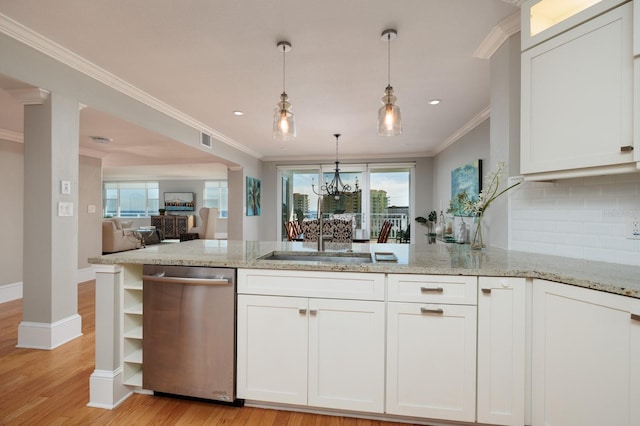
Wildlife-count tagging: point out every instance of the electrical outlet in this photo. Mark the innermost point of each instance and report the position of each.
(632, 227)
(65, 187)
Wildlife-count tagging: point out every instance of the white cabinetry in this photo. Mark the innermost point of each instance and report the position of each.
(431, 346)
(312, 351)
(132, 326)
(577, 100)
(501, 350)
(586, 357)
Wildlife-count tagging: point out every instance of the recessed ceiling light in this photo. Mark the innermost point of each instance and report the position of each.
(238, 113)
(434, 101)
(100, 139)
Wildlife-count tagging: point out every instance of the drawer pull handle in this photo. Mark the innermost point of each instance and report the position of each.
(313, 311)
(431, 311)
(432, 289)
(302, 311)
(486, 291)
(626, 148)
(635, 317)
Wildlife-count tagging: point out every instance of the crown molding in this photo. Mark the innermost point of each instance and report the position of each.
(42, 44)
(30, 96)
(8, 135)
(466, 128)
(514, 2)
(497, 36)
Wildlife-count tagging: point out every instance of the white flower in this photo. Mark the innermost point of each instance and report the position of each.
(488, 193)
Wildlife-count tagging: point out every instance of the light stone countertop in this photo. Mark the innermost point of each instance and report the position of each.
(437, 259)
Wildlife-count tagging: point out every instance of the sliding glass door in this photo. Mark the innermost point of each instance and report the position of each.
(378, 192)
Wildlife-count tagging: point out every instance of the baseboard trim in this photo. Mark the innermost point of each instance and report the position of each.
(13, 291)
(38, 335)
(106, 389)
(9, 292)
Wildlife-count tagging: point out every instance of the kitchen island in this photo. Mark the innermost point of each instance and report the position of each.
(444, 333)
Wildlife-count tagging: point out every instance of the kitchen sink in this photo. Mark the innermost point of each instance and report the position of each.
(315, 256)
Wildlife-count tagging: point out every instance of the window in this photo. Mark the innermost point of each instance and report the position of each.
(131, 199)
(215, 195)
(379, 192)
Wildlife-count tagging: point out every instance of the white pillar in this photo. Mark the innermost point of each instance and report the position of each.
(50, 250)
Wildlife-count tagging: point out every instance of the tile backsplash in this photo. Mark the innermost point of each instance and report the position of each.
(587, 218)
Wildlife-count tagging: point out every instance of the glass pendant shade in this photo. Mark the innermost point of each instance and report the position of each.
(284, 124)
(389, 119)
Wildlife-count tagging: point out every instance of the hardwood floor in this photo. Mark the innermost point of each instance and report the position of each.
(52, 387)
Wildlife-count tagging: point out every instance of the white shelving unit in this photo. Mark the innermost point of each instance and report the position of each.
(132, 325)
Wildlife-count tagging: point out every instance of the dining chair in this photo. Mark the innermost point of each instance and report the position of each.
(342, 230)
(385, 230)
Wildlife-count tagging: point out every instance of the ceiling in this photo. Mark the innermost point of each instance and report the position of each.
(208, 58)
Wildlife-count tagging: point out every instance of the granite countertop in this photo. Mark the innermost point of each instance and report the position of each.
(438, 259)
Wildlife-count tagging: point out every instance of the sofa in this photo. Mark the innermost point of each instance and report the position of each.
(118, 235)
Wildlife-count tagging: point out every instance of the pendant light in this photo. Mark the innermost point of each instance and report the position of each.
(389, 121)
(284, 124)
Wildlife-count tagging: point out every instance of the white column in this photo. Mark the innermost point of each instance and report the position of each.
(50, 250)
(105, 384)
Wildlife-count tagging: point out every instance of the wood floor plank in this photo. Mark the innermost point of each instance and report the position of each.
(40, 387)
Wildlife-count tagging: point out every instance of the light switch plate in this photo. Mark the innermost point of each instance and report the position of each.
(65, 187)
(91, 209)
(65, 209)
(632, 227)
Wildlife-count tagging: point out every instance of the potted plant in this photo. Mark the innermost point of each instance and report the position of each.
(161, 211)
(429, 222)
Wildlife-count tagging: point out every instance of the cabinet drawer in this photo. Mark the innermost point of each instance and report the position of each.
(340, 285)
(459, 290)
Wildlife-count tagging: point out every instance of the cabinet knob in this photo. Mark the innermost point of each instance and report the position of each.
(635, 317)
(313, 312)
(302, 311)
(486, 291)
(431, 310)
(626, 148)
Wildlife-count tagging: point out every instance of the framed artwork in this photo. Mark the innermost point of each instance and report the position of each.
(253, 196)
(465, 179)
(179, 201)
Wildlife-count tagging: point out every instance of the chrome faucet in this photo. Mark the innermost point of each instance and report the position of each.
(320, 224)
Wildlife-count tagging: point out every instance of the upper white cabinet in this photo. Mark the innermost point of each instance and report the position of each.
(543, 19)
(577, 100)
(585, 357)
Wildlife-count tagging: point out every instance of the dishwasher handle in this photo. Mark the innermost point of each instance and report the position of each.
(182, 280)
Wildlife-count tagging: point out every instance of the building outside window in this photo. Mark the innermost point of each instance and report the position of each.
(130, 199)
(216, 196)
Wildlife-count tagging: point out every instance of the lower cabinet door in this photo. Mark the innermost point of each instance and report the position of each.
(585, 357)
(346, 354)
(431, 361)
(272, 349)
(501, 351)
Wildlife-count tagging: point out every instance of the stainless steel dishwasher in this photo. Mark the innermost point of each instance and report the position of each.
(189, 332)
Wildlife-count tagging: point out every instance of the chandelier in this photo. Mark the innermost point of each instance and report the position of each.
(336, 187)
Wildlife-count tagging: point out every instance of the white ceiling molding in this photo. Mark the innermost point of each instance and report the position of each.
(466, 128)
(498, 35)
(42, 44)
(8, 135)
(30, 96)
(514, 2)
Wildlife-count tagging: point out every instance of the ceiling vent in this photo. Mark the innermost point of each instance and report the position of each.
(205, 140)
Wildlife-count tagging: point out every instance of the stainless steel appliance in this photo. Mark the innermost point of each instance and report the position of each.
(188, 337)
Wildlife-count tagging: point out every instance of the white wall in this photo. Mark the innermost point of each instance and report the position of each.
(472, 146)
(11, 205)
(580, 218)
